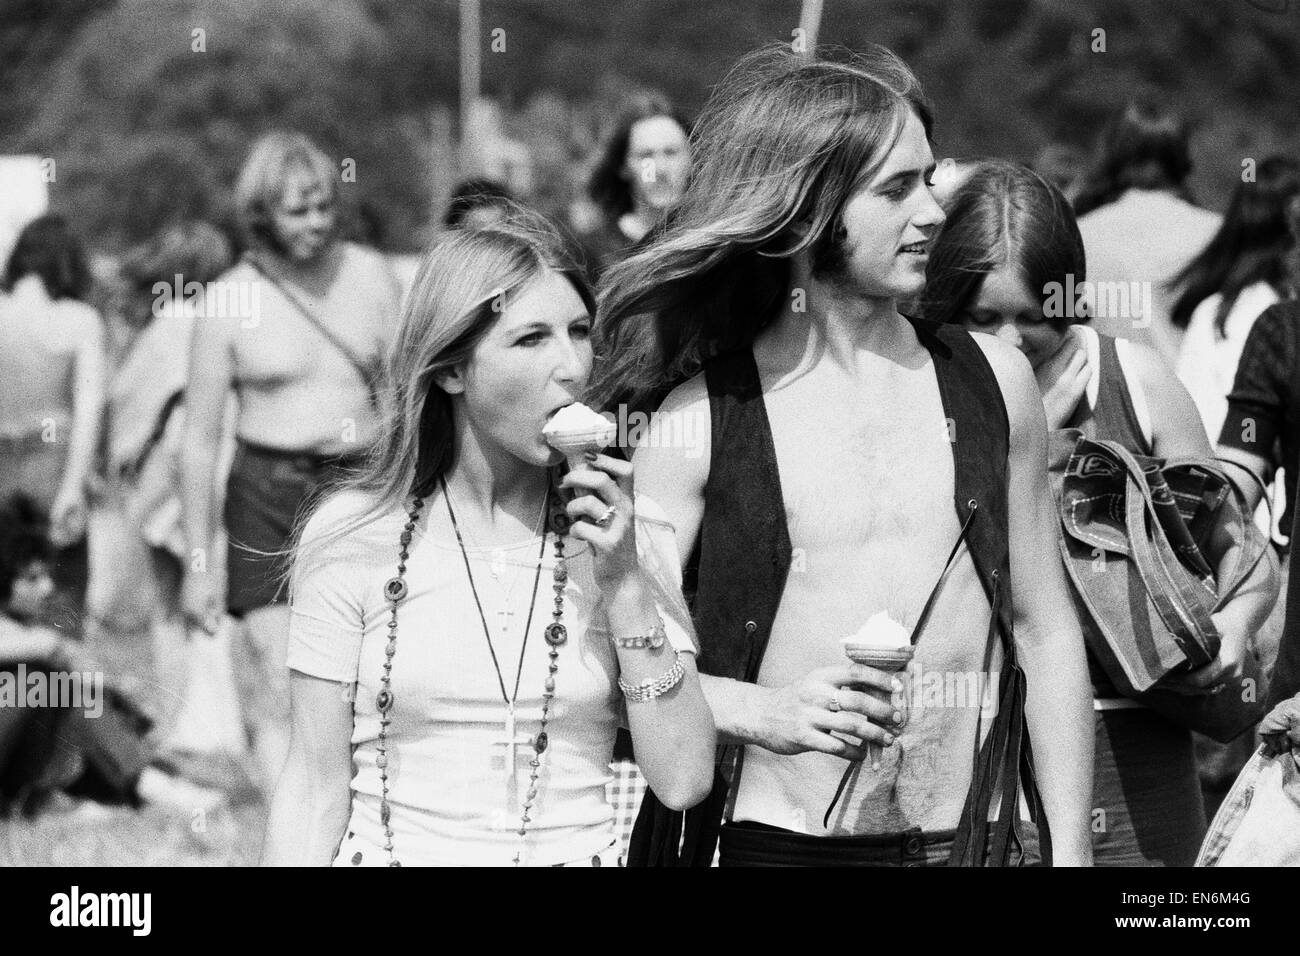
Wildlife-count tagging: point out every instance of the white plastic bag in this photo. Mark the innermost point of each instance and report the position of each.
(210, 720)
(1259, 822)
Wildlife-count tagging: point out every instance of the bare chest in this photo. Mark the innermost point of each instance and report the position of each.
(281, 345)
(863, 465)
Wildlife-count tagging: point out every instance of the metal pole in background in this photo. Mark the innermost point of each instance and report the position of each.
(471, 35)
(810, 21)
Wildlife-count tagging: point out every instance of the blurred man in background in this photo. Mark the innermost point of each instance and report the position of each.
(301, 352)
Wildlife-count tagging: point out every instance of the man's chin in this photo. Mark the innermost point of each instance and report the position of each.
(661, 203)
(910, 290)
(309, 255)
(898, 291)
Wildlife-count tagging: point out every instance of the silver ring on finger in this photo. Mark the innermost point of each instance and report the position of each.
(607, 518)
(834, 705)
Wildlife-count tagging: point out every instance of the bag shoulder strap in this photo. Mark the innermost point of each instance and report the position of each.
(136, 465)
(1255, 479)
(1154, 562)
(365, 369)
(1250, 556)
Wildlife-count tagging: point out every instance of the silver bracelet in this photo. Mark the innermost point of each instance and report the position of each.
(653, 640)
(653, 687)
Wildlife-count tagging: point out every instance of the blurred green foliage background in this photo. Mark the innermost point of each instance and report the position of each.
(144, 130)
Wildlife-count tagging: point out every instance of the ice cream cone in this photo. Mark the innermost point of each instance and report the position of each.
(886, 645)
(889, 658)
(576, 430)
(577, 461)
(881, 642)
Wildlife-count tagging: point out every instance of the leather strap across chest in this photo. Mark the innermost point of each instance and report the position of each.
(367, 368)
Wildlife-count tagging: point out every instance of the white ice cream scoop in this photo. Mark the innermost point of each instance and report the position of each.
(575, 430)
(881, 642)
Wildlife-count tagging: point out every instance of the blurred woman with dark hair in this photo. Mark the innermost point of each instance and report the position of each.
(1235, 278)
(1138, 222)
(52, 367)
(1010, 238)
(1147, 146)
(48, 248)
(641, 174)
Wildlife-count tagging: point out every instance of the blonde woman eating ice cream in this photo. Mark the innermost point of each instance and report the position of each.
(468, 629)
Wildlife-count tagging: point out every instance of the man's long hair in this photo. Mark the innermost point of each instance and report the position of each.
(780, 147)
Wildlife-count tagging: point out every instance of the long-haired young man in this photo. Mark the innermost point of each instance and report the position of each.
(846, 462)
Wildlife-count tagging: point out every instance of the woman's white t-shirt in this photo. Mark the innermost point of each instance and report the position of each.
(452, 799)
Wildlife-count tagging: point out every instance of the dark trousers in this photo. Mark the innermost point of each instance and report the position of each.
(1147, 807)
(757, 844)
(268, 493)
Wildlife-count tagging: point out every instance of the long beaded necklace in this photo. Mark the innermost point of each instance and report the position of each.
(395, 591)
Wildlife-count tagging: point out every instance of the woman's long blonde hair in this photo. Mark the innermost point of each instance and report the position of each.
(464, 282)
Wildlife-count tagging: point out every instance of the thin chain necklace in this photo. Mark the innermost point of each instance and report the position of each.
(499, 555)
(511, 740)
(395, 591)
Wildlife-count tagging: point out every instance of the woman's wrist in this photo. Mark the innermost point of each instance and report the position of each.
(651, 637)
(624, 587)
(631, 613)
